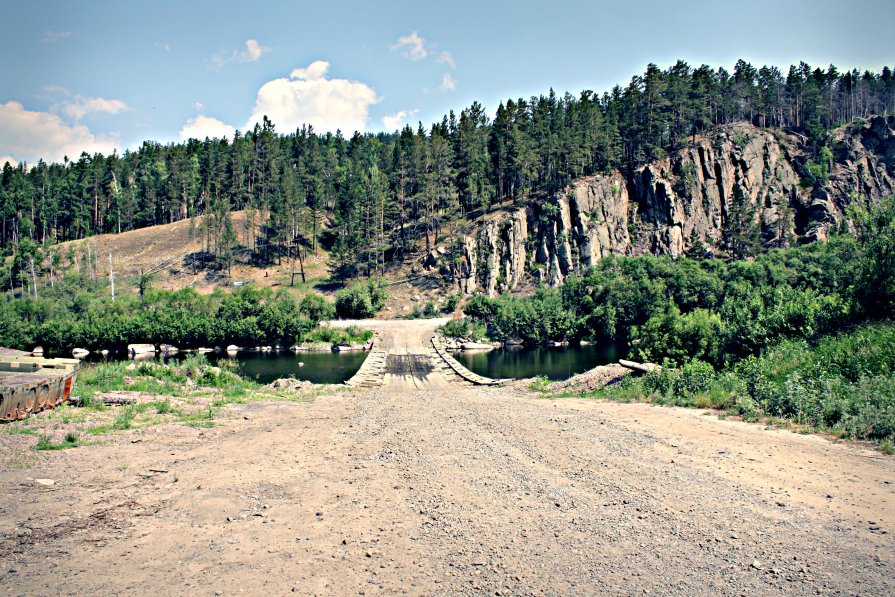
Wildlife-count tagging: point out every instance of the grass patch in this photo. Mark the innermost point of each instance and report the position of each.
(19, 429)
(887, 447)
(189, 392)
(45, 442)
(203, 418)
(125, 419)
(541, 384)
(67, 414)
(326, 334)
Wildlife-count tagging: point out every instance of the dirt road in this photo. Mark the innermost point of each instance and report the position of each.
(446, 491)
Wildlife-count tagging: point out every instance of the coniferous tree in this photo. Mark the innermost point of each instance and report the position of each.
(740, 227)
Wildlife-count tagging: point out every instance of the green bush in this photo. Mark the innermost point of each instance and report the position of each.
(696, 377)
(698, 334)
(876, 280)
(68, 315)
(844, 383)
(818, 169)
(537, 318)
(464, 328)
(361, 300)
(335, 335)
(451, 302)
(481, 307)
(316, 308)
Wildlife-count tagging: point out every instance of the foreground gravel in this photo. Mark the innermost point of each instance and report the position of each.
(469, 491)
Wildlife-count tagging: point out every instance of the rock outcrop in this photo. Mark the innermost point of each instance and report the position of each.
(579, 227)
(690, 196)
(689, 199)
(495, 260)
(863, 168)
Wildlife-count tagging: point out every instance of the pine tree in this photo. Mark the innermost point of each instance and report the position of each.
(740, 227)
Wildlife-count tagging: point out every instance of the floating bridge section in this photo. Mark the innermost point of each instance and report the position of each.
(409, 355)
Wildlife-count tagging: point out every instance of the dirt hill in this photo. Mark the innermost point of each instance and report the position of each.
(174, 253)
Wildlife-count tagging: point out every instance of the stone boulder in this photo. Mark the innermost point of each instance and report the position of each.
(289, 383)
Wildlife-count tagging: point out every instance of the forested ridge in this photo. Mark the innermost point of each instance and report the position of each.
(380, 196)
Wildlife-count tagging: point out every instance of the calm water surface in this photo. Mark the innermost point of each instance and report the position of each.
(319, 367)
(554, 363)
(337, 367)
(265, 367)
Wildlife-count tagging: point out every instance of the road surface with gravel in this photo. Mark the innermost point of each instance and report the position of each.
(448, 490)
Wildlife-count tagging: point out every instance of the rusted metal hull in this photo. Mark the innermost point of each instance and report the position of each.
(31, 384)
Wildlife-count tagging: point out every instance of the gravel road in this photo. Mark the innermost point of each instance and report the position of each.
(449, 491)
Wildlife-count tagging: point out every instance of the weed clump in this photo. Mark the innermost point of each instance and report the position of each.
(45, 442)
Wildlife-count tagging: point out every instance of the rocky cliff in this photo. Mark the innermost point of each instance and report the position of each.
(694, 198)
(863, 169)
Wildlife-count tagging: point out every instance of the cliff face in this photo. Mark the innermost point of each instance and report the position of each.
(495, 259)
(692, 195)
(697, 195)
(863, 169)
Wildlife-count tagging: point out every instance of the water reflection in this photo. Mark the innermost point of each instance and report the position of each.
(554, 363)
(265, 367)
(317, 367)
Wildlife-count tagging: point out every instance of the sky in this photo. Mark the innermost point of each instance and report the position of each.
(106, 75)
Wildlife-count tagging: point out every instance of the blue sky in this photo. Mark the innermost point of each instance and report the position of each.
(99, 75)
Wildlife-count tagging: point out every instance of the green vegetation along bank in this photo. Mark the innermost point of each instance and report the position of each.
(78, 312)
(117, 396)
(843, 384)
(713, 310)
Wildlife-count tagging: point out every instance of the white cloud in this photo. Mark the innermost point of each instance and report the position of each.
(413, 47)
(29, 136)
(446, 58)
(315, 71)
(80, 106)
(198, 106)
(447, 83)
(51, 37)
(393, 122)
(252, 53)
(308, 97)
(202, 126)
(56, 90)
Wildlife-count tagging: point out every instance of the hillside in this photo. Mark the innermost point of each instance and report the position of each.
(174, 254)
(729, 183)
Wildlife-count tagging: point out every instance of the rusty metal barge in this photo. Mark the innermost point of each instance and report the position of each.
(30, 384)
